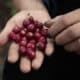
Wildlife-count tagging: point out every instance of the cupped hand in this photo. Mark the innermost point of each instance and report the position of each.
(13, 55)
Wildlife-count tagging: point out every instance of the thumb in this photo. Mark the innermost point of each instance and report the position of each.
(5, 32)
(54, 25)
(49, 23)
(13, 22)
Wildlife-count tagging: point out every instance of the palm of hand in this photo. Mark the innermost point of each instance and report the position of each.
(13, 56)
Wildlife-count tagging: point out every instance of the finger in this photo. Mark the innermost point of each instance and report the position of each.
(25, 65)
(50, 22)
(13, 55)
(57, 26)
(63, 21)
(69, 34)
(49, 47)
(15, 21)
(72, 17)
(5, 32)
(74, 46)
(37, 62)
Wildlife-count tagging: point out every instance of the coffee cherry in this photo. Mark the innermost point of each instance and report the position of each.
(41, 46)
(33, 41)
(22, 50)
(38, 24)
(31, 27)
(23, 33)
(37, 30)
(26, 23)
(37, 35)
(25, 29)
(30, 53)
(16, 29)
(31, 19)
(44, 32)
(42, 39)
(23, 38)
(23, 43)
(12, 36)
(29, 35)
(31, 45)
(18, 38)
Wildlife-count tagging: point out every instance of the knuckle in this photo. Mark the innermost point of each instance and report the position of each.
(78, 41)
(78, 10)
(63, 19)
(50, 31)
(71, 33)
(74, 30)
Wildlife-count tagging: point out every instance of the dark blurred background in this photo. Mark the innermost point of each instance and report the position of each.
(6, 11)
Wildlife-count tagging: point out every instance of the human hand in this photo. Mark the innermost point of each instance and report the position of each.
(65, 29)
(13, 55)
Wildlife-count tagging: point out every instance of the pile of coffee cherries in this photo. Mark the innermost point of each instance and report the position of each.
(31, 36)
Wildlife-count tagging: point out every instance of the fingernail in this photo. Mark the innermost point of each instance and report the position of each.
(48, 23)
(45, 23)
(49, 35)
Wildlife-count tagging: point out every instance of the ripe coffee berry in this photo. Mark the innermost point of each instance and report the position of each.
(23, 32)
(38, 24)
(22, 50)
(41, 46)
(31, 27)
(37, 30)
(12, 36)
(30, 37)
(30, 53)
(42, 39)
(33, 41)
(31, 19)
(26, 23)
(17, 38)
(31, 45)
(44, 32)
(37, 35)
(23, 43)
(16, 29)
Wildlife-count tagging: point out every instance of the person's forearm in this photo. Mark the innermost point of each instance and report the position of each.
(33, 6)
(29, 4)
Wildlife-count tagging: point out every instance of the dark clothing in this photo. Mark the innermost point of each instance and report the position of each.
(57, 7)
(60, 62)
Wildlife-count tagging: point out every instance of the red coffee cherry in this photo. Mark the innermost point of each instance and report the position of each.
(26, 23)
(30, 37)
(16, 29)
(42, 39)
(41, 46)
(30, 53)
(31, 27)
(22, 50)
(44, 32)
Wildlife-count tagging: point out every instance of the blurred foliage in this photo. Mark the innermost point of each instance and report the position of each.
(6, 11)
(11, 7)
